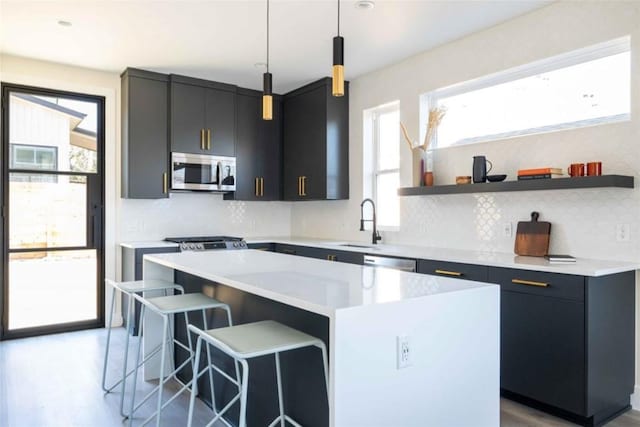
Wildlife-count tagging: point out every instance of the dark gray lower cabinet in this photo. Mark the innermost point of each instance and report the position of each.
(321, 253)
(567, 342)
(453, 269)
(132, 270)
(269, 247)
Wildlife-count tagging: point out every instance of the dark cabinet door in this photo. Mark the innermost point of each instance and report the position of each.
(543, 349)
(258, 149)
(220, 122)
(305, 145)
(188, 118)
(144, 136)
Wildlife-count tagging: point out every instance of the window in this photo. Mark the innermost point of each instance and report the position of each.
(33, 157)
(580, 88)
(382, 162)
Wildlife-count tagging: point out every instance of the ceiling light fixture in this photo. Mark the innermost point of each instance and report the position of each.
(338, 62)
(267, 97)
(64, 23)
(365, 4)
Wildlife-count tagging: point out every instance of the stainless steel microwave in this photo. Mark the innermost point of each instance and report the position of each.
(202, 172)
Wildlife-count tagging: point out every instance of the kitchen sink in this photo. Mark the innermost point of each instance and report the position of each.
(352, 245)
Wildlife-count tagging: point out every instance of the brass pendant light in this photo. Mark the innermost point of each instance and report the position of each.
(267, 94)
(338, 61)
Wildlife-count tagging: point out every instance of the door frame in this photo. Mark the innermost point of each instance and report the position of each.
(97, 233)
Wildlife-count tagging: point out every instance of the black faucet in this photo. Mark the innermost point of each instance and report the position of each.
(376, 235)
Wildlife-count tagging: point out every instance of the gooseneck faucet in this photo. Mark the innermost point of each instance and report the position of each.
(376, 235)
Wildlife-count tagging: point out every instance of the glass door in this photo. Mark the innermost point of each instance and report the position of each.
(53, 196)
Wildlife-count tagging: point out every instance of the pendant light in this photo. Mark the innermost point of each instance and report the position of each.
(338, 61)
(267, 97)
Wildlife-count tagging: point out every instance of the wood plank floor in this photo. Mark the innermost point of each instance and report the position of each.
(54, 381)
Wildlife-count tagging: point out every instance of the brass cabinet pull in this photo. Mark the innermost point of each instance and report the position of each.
(257, 187)
(332, 257)
(304, 186)
(449, 273)
(208, 139)
(202, 139)
(529, 283)
(165, 185)
(261, 186)
(299, 186)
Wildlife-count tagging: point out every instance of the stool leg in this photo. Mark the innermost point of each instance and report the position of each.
(213, 392)
(194, 385)
(325, 364)
(165, 331)
(135, 372)
(235, 361)
(106, 352)
(243, 394)
(126, 355)
(279, 381)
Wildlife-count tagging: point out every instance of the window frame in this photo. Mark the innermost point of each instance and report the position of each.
(375, 170)
(590, 53)
(34, 150)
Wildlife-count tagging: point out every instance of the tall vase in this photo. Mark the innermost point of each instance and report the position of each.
(427, 159)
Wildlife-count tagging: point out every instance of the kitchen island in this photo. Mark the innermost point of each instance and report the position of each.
(451, 325)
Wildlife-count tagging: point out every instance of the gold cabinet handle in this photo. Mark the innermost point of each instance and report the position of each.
(304, 186)
(208, 139)
(202, 139)
(332, 257)
(529, 283)
(165, 184)
(261, 186)
(449, 273)
(257, 187)
(299, 186)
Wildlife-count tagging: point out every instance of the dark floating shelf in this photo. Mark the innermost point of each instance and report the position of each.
(619, 181)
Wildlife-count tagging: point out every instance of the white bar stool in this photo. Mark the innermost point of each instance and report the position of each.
(248, 341)
(165, 307)
(129, 288)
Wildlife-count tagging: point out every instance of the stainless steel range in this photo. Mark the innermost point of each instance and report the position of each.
(208, 243)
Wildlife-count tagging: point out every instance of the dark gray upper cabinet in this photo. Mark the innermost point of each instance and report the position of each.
(144, 134)
(316, 143)
(258, 149)
(202, 119)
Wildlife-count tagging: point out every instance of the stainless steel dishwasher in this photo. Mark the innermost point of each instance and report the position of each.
(390, 262)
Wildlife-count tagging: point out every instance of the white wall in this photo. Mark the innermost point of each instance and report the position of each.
(583, 221)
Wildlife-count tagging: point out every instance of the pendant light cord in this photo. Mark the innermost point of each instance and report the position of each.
(267, 36)
(338, 18)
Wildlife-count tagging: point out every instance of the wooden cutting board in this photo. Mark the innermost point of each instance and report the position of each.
(532, 237)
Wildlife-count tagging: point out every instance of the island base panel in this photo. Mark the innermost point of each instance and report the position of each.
(305, 396)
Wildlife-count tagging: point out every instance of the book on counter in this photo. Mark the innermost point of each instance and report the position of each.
(560, 258)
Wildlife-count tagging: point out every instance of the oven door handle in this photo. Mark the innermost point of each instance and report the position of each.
(218, 167)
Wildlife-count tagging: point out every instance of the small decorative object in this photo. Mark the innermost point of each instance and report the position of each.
(428, 179)
(435, 117)
(463, 180)
(480, 169)
(496, 178)
(594, 168)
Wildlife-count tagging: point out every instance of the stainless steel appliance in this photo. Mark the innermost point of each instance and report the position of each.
(202, 172)
(208, 243)
(390, 262)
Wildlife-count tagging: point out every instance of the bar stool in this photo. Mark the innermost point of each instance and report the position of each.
(129, 288)
(165, 307)
(247, 341)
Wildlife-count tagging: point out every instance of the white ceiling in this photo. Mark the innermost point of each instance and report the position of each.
(222, 40)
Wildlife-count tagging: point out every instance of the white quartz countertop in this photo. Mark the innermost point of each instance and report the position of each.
(582, 266)
(319, 286)
(149, 244)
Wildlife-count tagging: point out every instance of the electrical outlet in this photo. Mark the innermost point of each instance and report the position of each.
(507, 229)
(403, 349)
(622, 233)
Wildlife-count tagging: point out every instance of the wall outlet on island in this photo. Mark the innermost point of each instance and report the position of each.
(622, 233)
(403, 349)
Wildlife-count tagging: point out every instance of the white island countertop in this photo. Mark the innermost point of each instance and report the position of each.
(582, 266)
(310, 284)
